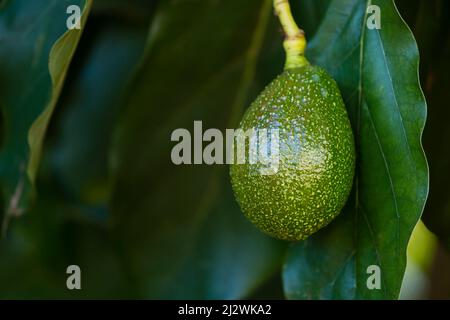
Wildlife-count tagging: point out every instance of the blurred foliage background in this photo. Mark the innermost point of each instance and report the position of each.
(109, 200)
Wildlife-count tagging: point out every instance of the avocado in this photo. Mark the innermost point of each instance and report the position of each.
(316, 155)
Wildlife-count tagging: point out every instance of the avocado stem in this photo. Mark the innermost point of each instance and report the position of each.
(295, 41)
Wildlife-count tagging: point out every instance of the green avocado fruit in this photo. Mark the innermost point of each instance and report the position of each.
(313, 155)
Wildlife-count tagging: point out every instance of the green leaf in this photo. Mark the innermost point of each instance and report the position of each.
(377, 72)
(35, 52)
(182, 233)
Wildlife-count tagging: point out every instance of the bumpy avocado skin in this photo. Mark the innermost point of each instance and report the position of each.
(315, 170)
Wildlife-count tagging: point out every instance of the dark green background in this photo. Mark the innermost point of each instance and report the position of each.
(109, 200)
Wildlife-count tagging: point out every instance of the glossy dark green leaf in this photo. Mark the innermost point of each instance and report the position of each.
(182, 233)
(377, 72)
(36, 49)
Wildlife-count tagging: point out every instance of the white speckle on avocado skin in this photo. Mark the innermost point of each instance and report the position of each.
(315, 172)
